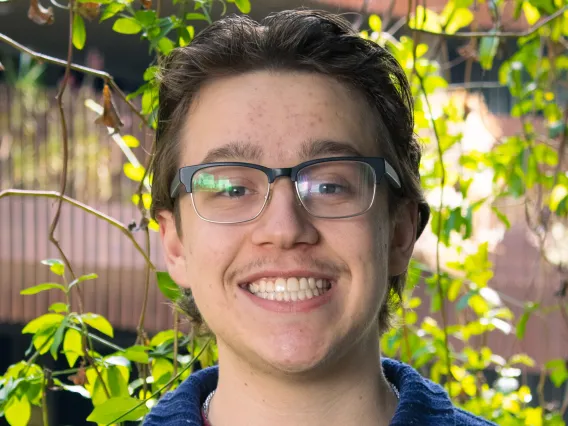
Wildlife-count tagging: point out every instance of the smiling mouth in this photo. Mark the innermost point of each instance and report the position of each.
(290, 289)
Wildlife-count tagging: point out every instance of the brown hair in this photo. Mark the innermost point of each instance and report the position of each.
(296, 40)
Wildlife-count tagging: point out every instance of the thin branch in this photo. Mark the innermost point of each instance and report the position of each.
(176, 343)
(498, 34)
(44, 412)
(88, 209)
(65, 142)
(75, 67)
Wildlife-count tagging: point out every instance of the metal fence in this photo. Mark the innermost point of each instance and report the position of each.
(31, 159)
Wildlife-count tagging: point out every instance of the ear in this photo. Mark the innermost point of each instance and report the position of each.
(173, 248)
(403, 238)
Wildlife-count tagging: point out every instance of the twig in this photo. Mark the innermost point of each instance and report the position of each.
(176, 342)
(65, 142)
(75, 67)
(498, 34)
(99, 339)
(388, 15)
(88, 209)
(44, 412)
(140, 327)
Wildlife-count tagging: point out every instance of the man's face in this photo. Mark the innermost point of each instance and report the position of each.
(279, 117)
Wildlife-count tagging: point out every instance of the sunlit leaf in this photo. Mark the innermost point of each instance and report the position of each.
(111, 10)
(559, 373)
(79, 32)
(73, 346)
(243, 5)
(55, 265)
(135, 173)
(81, 279)
(112, 409)
(531, 13)
(99, 323)
(136, 354)
(131, 141)
(18, 411)
(59, 307)
(461, 18)
(42, 287)
(558, 194)
(127, 26)
(42, 322)
(375, 23)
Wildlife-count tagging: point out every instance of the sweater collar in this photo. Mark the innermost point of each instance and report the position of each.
(422, 402)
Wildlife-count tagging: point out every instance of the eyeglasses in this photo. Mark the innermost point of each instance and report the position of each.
(331, 188)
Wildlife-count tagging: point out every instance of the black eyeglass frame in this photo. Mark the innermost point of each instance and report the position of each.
(380, 166)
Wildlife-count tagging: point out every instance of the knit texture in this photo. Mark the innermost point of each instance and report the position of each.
(422, 402)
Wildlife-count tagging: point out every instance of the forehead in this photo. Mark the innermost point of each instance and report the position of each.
(278, 115)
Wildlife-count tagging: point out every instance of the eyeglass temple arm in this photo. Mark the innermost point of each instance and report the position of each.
(174, 187)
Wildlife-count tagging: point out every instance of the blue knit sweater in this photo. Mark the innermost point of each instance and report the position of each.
(421, 403)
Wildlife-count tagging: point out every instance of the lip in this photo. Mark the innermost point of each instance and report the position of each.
(299, 306)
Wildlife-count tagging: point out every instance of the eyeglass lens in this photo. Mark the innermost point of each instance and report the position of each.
(231, 194)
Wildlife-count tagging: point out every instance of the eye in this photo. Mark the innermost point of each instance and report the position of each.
(235, 191)
(330, 188)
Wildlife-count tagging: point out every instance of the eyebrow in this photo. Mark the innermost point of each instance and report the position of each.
(246, 151)
(234, 151)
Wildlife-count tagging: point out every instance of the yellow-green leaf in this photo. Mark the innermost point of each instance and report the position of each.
(131, 141)
(18, 411)
(55, 265)
(111, 411)
(59, 307)
(243, 5)
(375, 23)
(531, 13)
(44, 321)
(99, 323)
(127, 26)
(42, 287)
(558, 194)
(73, 346)
(167, 286)
(133, 172)
(461, 18)
(79, 32)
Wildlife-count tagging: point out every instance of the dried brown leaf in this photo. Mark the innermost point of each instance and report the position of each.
(89, 10)
(39, 14)
(110, 117)
(1, 67)
(79, 379)
(146, 4)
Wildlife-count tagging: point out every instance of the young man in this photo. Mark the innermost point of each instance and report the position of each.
(287, 190)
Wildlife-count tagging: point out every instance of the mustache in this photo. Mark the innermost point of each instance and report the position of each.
(304, 261)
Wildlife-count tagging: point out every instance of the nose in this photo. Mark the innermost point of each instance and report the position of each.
(284, 223)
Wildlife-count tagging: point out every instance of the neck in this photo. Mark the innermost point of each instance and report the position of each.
(353, 392)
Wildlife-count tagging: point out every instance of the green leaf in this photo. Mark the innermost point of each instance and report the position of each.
(57, 339)
(243, 5)
(99, 323)
(559, 372)
(127, 26)
(79, 32)
(146, 17)
(165, 45)
(164, 337)
(375, 23)
(196, 17)
(502, 217)
(73, 346)
(42, 322)
(111, 410)
(59, 307)
(134, 173)
(522, 324)
(81, 279)
(137, 354)
(18, 411)
(130, 140)
(42, 287)
(487, 51)
(167, 286)
(111, 10)
(55, 265)
(162, 370)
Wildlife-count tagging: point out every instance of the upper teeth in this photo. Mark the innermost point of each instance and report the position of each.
(289, 288)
